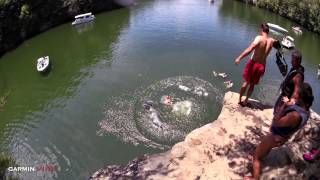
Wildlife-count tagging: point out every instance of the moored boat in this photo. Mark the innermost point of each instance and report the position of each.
(288, 42)
(277, 28)
(83, 18)
(43, 64)
(297, 30)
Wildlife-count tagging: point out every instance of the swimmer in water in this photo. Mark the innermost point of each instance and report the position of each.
(147, 105)
(167, 100)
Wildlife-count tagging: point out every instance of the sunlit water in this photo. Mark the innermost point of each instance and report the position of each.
(88, 111)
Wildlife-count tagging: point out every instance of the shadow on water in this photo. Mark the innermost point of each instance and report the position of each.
(47, 71)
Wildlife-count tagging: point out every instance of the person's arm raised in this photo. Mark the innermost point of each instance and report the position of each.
(247, 51)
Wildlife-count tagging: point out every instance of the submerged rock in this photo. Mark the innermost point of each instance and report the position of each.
(223, 150)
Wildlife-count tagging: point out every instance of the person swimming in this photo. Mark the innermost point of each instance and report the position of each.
(147, 104)
(167, 100)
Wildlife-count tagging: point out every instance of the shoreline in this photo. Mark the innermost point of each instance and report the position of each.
(21, 21)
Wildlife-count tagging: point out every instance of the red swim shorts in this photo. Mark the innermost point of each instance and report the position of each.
(253, 72)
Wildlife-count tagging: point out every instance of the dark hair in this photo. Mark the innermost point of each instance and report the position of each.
(305, 95)
(265, 28)
(296, 54)
(276, 44)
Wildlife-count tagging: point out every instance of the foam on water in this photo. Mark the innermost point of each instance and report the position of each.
(193, 104)
(182, 108)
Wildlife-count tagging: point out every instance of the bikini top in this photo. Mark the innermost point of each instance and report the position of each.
(303, 114)
(285, 131)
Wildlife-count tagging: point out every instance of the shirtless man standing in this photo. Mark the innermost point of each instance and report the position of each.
(255, 67)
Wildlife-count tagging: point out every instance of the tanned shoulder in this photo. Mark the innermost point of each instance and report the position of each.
(257, 39)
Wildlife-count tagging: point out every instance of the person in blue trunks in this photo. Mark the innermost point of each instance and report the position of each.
(289, 119)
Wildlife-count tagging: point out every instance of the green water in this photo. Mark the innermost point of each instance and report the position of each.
(123, 57)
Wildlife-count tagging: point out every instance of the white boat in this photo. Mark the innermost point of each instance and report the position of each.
(43, 64)
(83, 18)
(277, 28)
(297, 30)
(288, 42)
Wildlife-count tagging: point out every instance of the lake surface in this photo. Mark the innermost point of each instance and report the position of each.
(87, 112)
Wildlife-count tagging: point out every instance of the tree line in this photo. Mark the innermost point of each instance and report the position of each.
(303, 12)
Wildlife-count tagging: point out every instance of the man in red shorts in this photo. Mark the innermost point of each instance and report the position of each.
(255, 68)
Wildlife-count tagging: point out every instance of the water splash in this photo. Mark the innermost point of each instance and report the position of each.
(193, 103)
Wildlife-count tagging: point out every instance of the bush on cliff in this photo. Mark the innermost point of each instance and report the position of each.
(304, 12)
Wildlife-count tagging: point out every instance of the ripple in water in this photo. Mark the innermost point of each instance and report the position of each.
(26, 155)
(268, 92)
(179, 105)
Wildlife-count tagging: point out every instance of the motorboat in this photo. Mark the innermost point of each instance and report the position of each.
(43, 64)
(83, 18)
(297, 30)
(277, 28)
(288, 42)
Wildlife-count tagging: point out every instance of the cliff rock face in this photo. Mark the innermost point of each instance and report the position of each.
(223, 150)
(20, 19)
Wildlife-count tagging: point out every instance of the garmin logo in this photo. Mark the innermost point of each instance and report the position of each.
(22, 169)
(38, 168)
